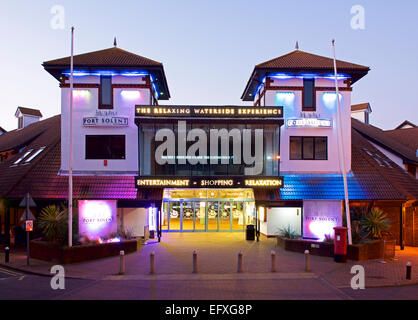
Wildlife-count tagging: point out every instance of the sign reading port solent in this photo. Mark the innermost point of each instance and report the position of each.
(192, 182)
(209, 111)
(308, 122)
(105, 122)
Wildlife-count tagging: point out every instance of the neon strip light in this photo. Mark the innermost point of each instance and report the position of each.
(283, 76)
(83, 73)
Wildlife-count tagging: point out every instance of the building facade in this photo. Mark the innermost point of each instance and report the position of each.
(142, 165)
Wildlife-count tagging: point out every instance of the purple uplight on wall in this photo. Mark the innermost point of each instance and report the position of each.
(97, 218)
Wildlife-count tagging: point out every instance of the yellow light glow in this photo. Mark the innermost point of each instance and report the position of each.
(261, 213)
(131, 94)
(81, 93)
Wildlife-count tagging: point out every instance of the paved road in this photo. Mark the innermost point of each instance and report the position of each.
(6, 273)
(36, 287)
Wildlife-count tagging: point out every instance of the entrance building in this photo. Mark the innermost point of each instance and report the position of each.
(141, 165)
(207, 209)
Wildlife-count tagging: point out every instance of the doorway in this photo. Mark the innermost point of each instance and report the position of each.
(207, 210)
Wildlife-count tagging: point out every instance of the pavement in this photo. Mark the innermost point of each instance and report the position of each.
(217, 262)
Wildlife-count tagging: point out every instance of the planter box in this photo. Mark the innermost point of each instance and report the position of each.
(366, 251)
(314, 247)
(281, 242)
(46, 251)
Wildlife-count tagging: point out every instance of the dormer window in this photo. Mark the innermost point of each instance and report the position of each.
(27, 116)
(308, 96)
(105, 93)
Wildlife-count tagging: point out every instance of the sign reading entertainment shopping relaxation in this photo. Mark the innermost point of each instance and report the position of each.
(209, 111)
(193, 182)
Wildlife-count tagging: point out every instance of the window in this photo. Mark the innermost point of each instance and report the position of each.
(35, 155)
(308, 148)
(321, 148)
(105, 147)
(23, 157)
(213, 167)
(308, 95)
(105, 93)
(295, 148)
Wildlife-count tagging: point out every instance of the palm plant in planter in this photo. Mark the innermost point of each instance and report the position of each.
(289, 233)
(52, 222)
(375, 223)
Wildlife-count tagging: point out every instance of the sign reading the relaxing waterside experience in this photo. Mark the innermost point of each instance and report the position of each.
(227, 182)
(209, 111)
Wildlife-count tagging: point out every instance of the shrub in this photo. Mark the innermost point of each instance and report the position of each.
(289, 233)
(375, 224)
(53, 223)
(329, 238)
(126, 234)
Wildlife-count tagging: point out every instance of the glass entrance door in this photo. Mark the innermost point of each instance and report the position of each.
(188, 216)
(174, 214)
(200, 215)
(225, 216)
(207, 209)
(238, 215)
(212, 215)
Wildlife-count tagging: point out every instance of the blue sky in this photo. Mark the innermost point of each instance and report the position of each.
(209, 48)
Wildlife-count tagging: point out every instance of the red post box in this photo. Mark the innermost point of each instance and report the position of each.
(340, 244)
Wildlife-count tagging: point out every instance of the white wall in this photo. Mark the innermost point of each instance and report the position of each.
(325, 109)
(281, 218)
(87, 106)
(359, 115)
(135, 219)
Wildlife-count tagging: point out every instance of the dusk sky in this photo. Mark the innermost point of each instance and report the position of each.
(209, 48)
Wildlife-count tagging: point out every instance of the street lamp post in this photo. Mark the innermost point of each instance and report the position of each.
(70, 176)
(341, 149)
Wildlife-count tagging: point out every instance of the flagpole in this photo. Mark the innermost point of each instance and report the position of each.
(341, 150)
(70, 176)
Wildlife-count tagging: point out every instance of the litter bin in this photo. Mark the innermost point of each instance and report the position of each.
(340, 244)
(250, 232)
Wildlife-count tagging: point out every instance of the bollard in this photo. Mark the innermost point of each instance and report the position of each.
(307, 264)
(6, 254)
(122, 262)
(408, 270)
(152, 262)
(239, 269)
(273, 261)
(194, 261)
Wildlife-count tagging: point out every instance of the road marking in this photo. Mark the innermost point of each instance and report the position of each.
(228, 276)
(10, 272)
